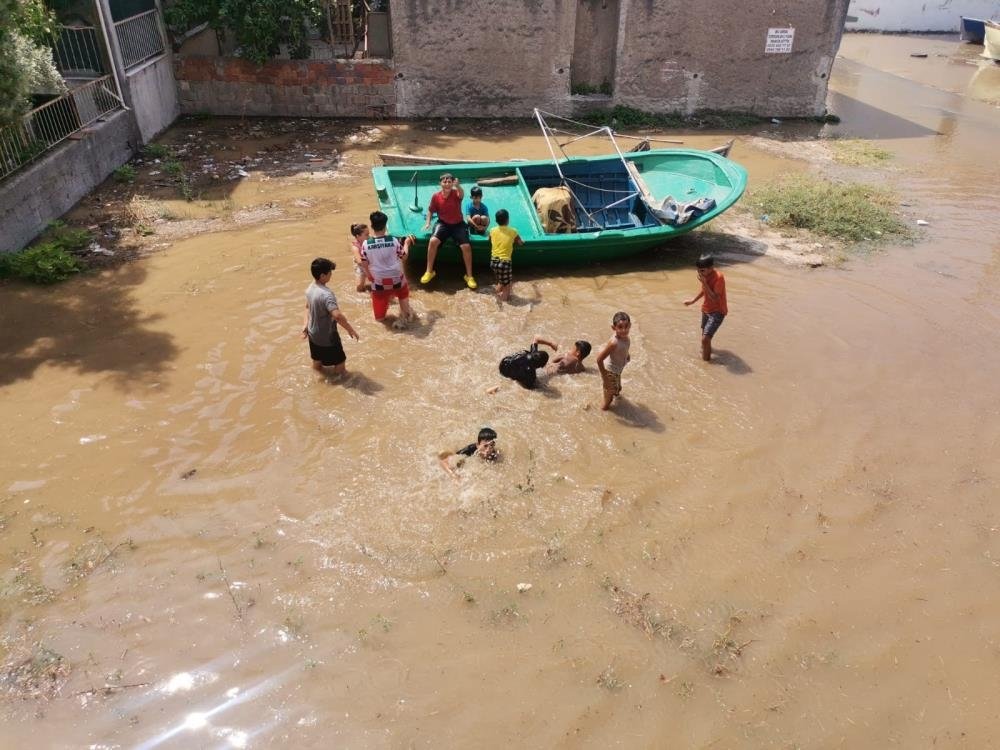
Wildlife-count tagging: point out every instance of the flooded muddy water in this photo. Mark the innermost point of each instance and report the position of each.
(208, 545)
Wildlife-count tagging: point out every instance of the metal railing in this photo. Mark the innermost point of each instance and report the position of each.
(140, 37)
(77, 52)
(53, 122)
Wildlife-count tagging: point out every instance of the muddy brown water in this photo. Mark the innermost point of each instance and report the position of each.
(796, 546)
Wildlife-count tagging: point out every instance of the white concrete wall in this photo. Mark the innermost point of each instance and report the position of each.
(153, 95)
(917, 15)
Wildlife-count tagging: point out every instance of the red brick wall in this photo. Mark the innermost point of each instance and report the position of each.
(318, 88)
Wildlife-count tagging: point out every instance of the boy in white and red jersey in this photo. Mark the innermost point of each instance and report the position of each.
(382, 261)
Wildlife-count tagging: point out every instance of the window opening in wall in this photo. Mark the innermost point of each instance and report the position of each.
(595, 44)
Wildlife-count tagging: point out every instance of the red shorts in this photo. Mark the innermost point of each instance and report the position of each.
(382, 297)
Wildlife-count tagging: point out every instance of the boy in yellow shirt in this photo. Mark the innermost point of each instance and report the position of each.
(502, 241)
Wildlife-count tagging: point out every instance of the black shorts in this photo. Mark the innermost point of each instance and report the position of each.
(710, 323)
(458, 232)
(328, 356)
(502, 271)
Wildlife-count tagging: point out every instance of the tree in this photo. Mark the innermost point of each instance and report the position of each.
(26, 64)
(258, 26)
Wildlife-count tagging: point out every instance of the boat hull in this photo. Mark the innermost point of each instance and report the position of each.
(991, 42)
(396, 159)
(685, 174)
(973, 30)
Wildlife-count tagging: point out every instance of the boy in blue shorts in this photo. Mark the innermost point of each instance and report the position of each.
(714, 309)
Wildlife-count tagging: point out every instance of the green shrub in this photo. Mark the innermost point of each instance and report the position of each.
(45, 263)
(155, 151)
(173, 168)
(125, 173)
(853, 212)
(68, 239)
(185, 189)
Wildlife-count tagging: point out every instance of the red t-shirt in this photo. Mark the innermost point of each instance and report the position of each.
(448, 209)
(717, 283)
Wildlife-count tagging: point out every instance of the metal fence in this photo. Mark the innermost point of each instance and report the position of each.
(139, 37)
(77, 52)
(53, 122)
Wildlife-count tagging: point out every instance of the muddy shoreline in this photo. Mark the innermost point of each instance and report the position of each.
(211, 157)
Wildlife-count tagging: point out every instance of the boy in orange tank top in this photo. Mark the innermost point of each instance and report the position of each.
(714, 309)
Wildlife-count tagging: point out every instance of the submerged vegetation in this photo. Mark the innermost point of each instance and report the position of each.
(851, 212)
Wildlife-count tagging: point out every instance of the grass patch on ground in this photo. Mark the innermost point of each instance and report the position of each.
(858, 153)
(124, 174)
(852, 212)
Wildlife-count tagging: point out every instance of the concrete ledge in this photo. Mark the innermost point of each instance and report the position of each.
(49, 187)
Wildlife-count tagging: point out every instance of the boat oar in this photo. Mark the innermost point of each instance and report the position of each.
(510, 179)
(415, 206)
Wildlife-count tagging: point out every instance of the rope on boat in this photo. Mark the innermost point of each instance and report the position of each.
(590, 187)
(592, 127)
(564, 180)
(562, 177)
(617, 135)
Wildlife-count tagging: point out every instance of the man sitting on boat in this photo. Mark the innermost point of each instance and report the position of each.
(447, 204)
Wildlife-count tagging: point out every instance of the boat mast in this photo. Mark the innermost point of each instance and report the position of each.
(545, 134)
(555, 160)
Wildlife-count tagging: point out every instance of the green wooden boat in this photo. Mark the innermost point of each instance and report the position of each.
(618, 200)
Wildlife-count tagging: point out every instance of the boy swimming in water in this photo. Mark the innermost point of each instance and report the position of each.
(485, 447)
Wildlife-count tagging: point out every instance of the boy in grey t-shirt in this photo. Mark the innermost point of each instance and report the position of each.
(321, 319)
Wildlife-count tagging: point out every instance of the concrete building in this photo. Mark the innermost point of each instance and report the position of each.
(770, 58)
(122, 94)
(504, 57)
